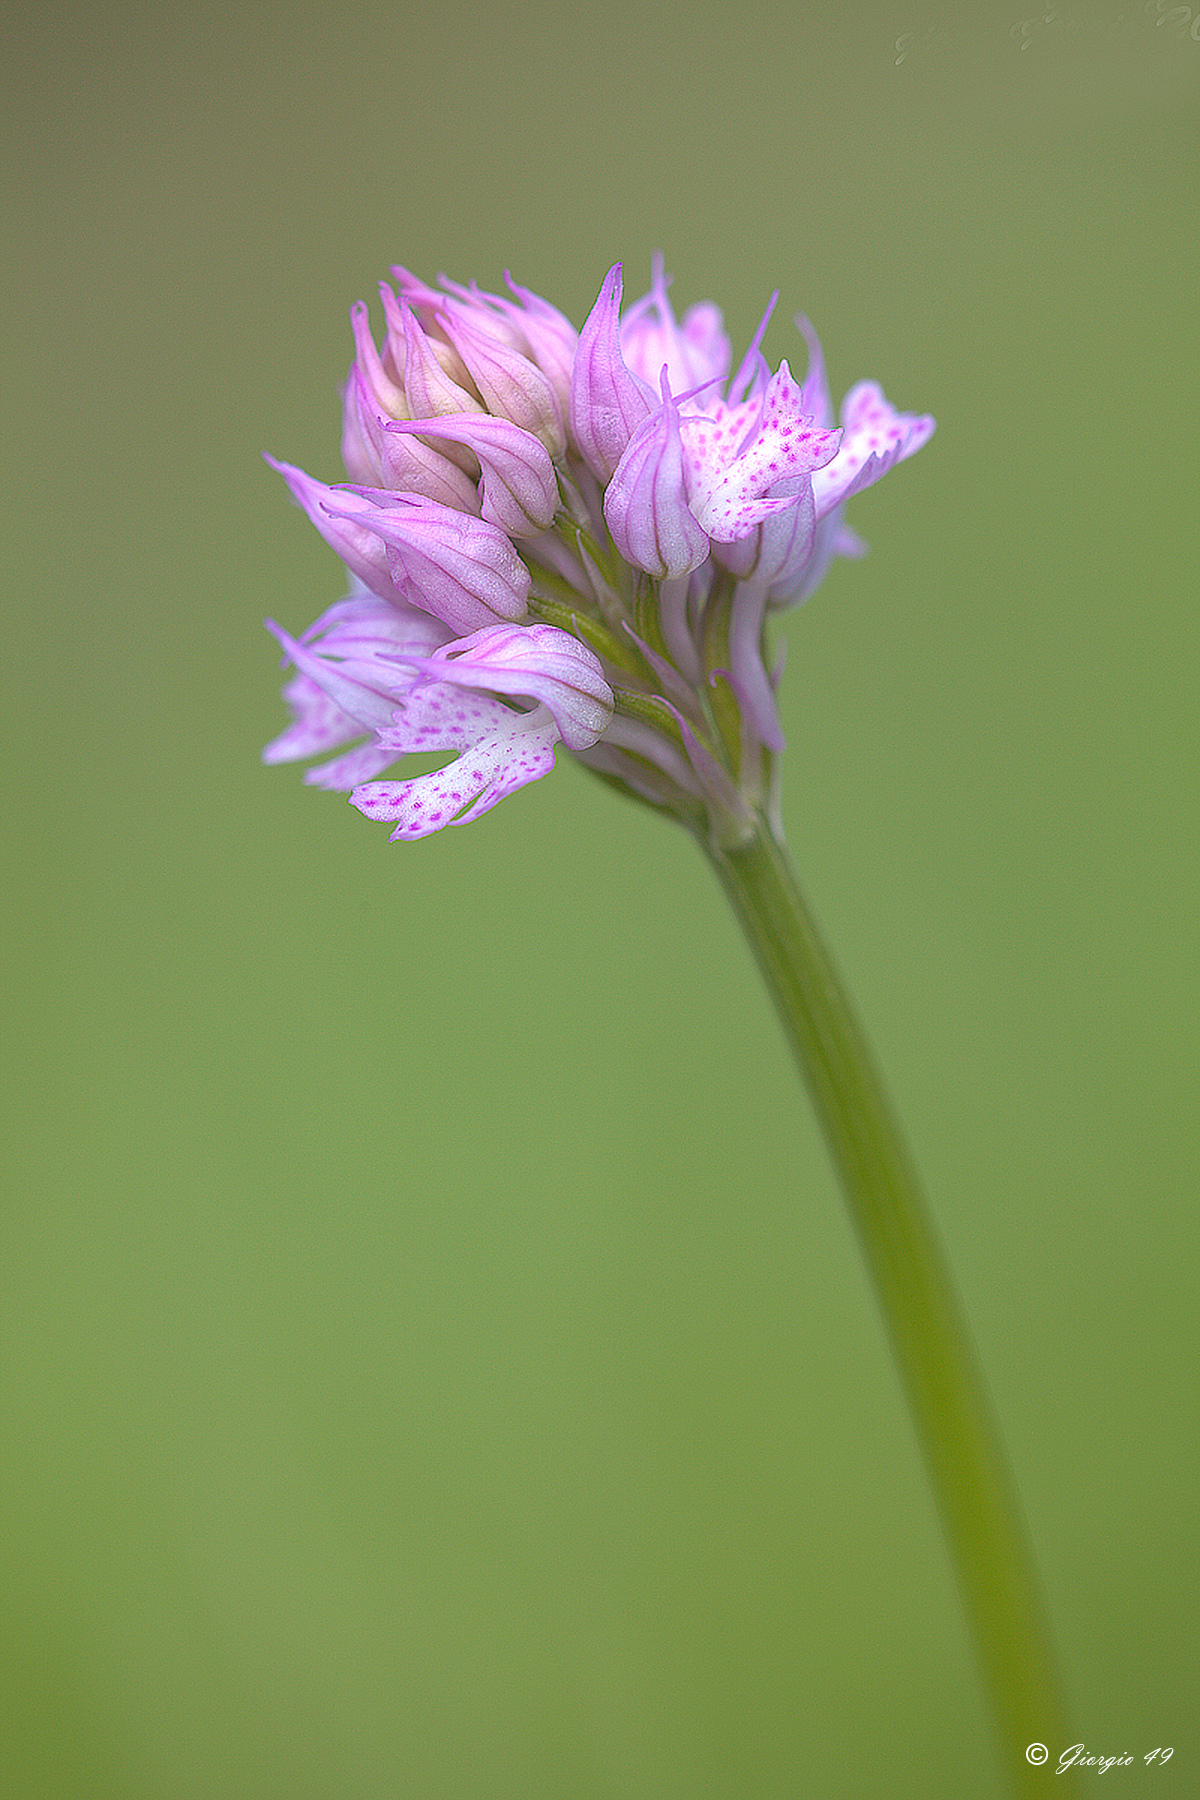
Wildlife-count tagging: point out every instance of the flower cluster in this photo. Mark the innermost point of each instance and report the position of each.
(569, 536)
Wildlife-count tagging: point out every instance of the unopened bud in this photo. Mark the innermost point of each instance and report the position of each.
(518, 490)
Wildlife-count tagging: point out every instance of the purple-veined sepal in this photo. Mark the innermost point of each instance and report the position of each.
(435, 379)
(376, 456)
(360, 548)
(550, 338)
(513, 387)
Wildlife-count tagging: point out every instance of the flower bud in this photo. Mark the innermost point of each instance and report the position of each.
(518, 490)
(534, 327)
(487, 312)
(424, 302)
(646, 504)
(376, 456)
(429, 390)
(370, 390)
(608, 402)
(423, 299)
(695, 352)
(461, 569)
(513, 387)
(387, 393)
(550, 339)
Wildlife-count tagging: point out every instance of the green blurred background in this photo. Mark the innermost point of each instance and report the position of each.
(437, 1364)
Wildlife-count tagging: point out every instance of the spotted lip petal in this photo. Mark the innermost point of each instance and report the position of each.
(731, 481)
(499, 751)
(876, 438)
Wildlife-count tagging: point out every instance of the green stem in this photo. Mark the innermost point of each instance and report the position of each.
(928, 1332)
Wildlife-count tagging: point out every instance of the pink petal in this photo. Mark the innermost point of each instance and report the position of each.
(876, 438)
(693, 353)
(550, 338)
(319, 724)
(786, 544)
(364, 690)
(815, 390)
(429, 390)
(500, 751)
(348, 771)
(348, 676)
(376, 456)
(785, 444)
(387, 395)
(359, 549)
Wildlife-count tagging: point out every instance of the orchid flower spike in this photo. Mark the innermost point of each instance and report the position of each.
(577, 538)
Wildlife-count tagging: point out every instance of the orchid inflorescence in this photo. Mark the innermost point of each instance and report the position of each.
(570, 536)
(579, 537)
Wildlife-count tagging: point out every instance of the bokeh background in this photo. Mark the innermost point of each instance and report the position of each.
(437, 1362)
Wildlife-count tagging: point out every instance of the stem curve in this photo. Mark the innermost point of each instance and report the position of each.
(926, 1326)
